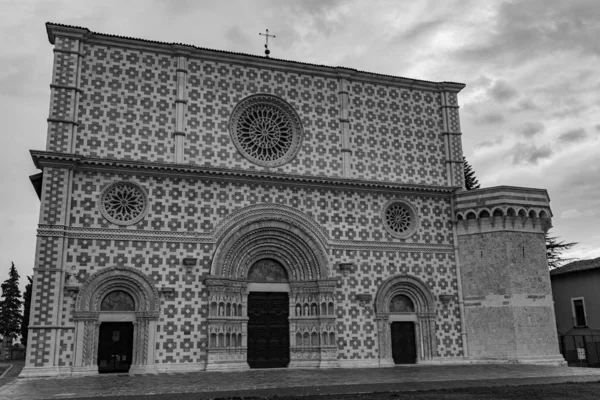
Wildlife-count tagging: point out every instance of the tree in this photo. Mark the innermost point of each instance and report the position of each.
(26, 307)
(554, 249)
(10, 308)
(471, 181)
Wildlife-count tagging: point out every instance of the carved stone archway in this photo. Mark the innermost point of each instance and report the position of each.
(423, 316)
(295, 242)
(88, 317)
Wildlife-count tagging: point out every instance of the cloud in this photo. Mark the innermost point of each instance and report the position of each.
(490, 143)
(236, 36)
(421, 29)
(502, 91)
(525, 104)
(573, 136)
(490, 118)
(529, 154)
(524, 30)
(530, 129)
(569, 214)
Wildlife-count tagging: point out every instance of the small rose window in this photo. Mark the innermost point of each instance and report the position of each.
(123, 203)
(399, 219)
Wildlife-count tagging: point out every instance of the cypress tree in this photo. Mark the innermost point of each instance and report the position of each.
(10, 308)
(471, 181)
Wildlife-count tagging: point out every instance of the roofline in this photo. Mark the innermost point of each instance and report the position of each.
(54, 29)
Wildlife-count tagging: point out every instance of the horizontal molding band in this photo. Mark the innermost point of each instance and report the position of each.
(68, 52)
(451, 133)
(63, 121)
(65, 87)
(184, 70)
(50, 327)
(210, 238)
(449, 106)
(80, 163)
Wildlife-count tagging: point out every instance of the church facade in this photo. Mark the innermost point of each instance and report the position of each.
(207, 210)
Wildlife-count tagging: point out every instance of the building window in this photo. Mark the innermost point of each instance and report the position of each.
(579, 317)
(266, 130)
(399, 219)
(123, 203)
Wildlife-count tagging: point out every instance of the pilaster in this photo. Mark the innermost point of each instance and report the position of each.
(180, 104)
(344, 119)
(452, 138)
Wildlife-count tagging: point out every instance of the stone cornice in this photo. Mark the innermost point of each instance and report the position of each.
(55, 30)
(43, 159)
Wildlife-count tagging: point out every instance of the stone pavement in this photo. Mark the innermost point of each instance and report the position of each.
(294, 381)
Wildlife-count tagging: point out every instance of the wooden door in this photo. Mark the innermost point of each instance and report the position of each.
(404, 349)
(268, 330)
(115, 347)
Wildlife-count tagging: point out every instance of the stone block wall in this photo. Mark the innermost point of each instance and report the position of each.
(505, 280)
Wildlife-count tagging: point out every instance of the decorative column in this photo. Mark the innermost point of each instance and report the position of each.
(312, 324)
(227, 324)
(86, 344)
(180, 104)
(144, 339)
(344, 119)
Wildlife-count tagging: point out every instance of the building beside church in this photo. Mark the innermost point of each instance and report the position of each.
(209, 210)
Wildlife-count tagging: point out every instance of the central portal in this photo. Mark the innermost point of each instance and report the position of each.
(268, 330)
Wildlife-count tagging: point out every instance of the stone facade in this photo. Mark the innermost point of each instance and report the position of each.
(356, 192)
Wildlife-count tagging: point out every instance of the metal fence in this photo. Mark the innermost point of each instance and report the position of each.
(581, 350)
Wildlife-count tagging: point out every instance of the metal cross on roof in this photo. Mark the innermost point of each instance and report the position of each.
(267, 36)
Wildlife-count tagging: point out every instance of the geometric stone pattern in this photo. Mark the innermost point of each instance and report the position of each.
(214, 89)
(127, 105)
(126, 109)
(188, 205)
(396, 134)
(357, 331)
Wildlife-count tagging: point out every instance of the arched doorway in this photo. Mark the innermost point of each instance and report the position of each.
(115, 316)
(269, 257)
(405, 314)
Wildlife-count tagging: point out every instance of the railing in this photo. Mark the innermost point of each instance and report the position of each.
(580, 350)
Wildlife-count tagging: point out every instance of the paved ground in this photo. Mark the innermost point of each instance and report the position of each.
(292, 382)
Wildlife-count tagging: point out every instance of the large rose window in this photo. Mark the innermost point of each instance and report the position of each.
(266, 130)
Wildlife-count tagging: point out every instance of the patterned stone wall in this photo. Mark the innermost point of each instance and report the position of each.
(183, 216)
(127, 110)
(121, 99)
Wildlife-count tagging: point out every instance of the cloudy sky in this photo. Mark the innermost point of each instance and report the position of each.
(530, 112)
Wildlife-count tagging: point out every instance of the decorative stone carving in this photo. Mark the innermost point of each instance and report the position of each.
(400, 218)
(391, 297)
(117, 300)
(123, 203)
(112, 289)
(266, 130)
(267, 270)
